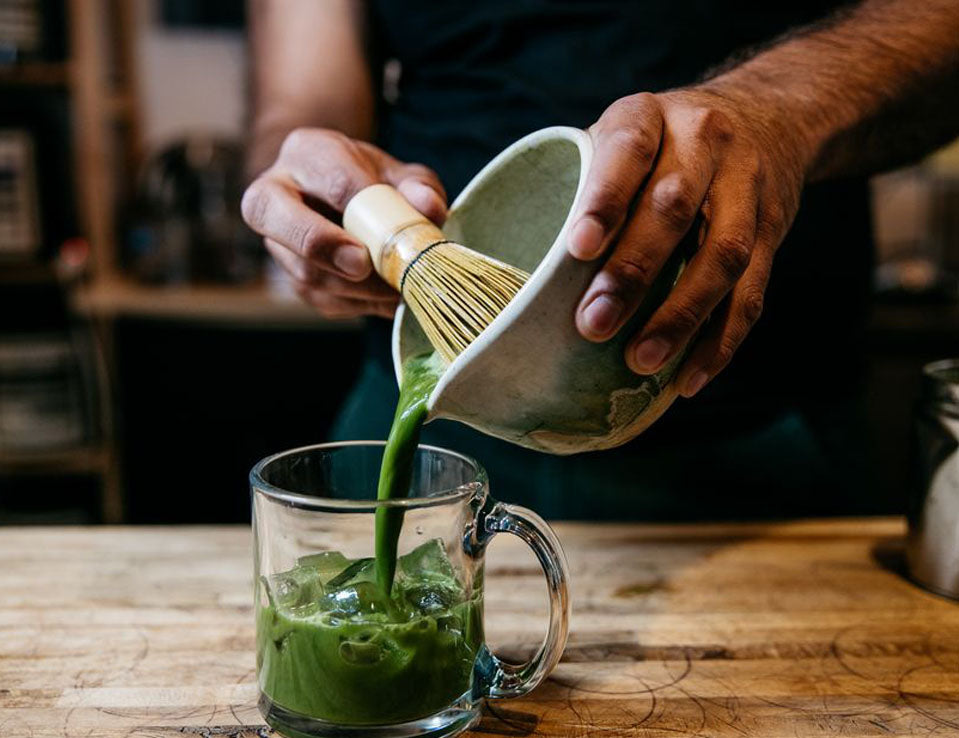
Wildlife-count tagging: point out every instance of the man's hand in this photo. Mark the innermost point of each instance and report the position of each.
(679, 155)
(296, 206)
(871, 87)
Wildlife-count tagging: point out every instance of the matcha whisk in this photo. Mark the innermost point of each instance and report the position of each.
(453, 291)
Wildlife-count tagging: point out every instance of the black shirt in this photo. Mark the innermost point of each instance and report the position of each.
(476, 76)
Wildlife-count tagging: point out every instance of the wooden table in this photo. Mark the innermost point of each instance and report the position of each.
(799, 629)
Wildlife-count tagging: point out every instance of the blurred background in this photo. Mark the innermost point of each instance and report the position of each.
(144, 336)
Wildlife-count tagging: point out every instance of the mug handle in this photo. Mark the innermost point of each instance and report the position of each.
(514, 680)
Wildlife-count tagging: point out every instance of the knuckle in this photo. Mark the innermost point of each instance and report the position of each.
(610, 201)
(674, 200)
(358, 148)
(330, 311)
(752, 164)
(308, 240)
(644, 100)
(256, 203)
(322, 302)
(340, 171)
(753, 301)
(297, 139)
(330, 137)
(310, 296)
(685, 318)
(713, 126)
(626, 110)
(324, 310)
(631, 104)
(311, 274)
(353, 149)
(301, 290)
(339, 187)
(633, 271)
(621, 109)
(724, 353)
(732, 253)
(635, 145)
(774, 220)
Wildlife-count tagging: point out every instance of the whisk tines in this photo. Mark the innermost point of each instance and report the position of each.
(455, 293)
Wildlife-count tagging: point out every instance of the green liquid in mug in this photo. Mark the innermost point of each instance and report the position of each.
(373, 641)
(330, 645)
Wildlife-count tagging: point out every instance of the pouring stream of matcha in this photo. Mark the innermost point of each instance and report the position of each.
(455, 293)
(420, 375)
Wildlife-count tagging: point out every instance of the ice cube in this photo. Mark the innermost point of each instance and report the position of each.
(356, 600)
(326, 564)
(427, 558)
(361, 570)
(294, 588)
(429, 597)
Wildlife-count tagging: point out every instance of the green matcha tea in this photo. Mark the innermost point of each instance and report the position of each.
(331, 645)
(420, 375)
(374, 640)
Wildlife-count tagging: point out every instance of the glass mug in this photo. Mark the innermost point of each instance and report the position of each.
(338, 657)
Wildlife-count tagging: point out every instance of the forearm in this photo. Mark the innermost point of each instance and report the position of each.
(872, 88)
(309, 69)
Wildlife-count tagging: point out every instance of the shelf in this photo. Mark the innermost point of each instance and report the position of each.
(40, 74)
(84, 460)
(252, 304)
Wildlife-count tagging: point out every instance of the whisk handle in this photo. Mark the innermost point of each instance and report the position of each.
(392, 230)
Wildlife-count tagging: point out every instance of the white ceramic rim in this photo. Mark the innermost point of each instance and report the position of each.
(540, 276)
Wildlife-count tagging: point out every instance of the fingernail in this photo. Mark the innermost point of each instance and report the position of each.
(650, 354)
(586, 238)
(602, 314)
(696, 383)
(353, 261)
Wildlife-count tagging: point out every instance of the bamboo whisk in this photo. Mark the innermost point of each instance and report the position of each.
(453, 291)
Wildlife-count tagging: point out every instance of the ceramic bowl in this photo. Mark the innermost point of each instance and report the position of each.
(530, 378)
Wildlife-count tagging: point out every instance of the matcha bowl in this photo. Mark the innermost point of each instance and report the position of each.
(530, 378)
(336, 655)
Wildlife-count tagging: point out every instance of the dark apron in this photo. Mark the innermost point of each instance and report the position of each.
(779, 432)
(782, 468)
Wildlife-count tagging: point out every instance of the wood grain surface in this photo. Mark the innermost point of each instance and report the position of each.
(798, 629)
